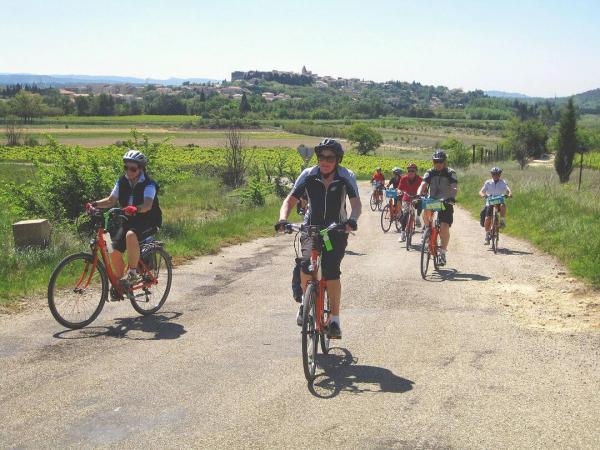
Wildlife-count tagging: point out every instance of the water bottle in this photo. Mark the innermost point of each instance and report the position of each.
(326, 240)
(109, 244)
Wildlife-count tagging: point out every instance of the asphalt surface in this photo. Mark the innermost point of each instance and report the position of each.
(451, 362)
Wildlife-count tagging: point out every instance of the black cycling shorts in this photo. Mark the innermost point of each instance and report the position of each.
(141, 233)
(330, 261)
(447, 215)
(489, 211)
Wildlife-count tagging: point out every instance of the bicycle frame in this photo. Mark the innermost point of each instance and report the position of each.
(321, 285)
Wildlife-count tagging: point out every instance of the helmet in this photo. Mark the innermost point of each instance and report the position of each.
(439, 155)
(331, 144)
(136, 157)
(411, 166)
(495, 170)
(378, 169)
(397, 170)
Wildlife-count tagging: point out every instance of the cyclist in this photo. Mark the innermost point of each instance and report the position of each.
(494, 186)
(441, 182)
(379, 180)
(395, 182)
(409, 185)
(137, 194)
(327, 185)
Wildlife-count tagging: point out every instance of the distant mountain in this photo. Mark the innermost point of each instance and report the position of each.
(63, 80)
(503, 94)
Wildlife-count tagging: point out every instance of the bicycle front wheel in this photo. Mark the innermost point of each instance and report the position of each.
(373, 202)
(386, 219)
(310, 338)
(410, 229)
(425, 256)
(157, 273)
(77, 290)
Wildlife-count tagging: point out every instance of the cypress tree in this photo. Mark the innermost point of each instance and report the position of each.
(244, 104)
(567, 143)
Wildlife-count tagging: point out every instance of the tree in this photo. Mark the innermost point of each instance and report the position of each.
(27, 105)
(587, 140)
(244, 105)
(237, 159)
(567, 142)
(527, 139)
(458, 155)
(365, 137)
(82, 105)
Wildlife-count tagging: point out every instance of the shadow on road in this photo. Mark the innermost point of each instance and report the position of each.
(341, 373)
(351, 253)
(506, 251)
(155, 327)
(454, 275)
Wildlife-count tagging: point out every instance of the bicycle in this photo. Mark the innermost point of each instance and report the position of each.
(316, 300)
(432, 242)
(79, 285)
(495, 201)
(409, 209)
(389, 213)
(376, 199)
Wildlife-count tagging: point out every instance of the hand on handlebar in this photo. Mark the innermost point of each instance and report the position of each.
(351, 225)
(130, 210)
(280, 226)
(90, 208)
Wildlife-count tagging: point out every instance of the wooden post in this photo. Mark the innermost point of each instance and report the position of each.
(580, 171)
(481, 155)
(473, 153)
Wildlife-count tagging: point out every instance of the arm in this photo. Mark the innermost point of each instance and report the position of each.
(482, 193)
(286, 207)
(356, 209)
(453, 190)
(107, 202)
(423, 188)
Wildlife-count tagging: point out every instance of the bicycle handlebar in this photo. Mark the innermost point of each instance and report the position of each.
(312, 229)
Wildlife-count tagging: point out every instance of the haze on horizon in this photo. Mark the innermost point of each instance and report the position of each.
(531, 47)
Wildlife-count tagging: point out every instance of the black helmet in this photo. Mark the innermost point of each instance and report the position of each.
(439, 155)
(331, 144)
(135, 156)
(495, 170)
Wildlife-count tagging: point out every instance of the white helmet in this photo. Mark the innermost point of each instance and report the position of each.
(136, 157)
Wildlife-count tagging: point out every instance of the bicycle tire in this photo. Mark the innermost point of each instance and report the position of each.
(52, 300)
(310, 338)
(166, 258)
(386, 219)
(373, 202)
(410, 229)
(324, 338)
(495, 233)
(425, 256)
(397, 222)
(438, 245)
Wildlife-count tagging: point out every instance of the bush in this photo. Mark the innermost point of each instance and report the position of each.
(458, 154)
(255, 193)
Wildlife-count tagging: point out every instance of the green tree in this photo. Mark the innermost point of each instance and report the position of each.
(366, 138)
(82, 105)
(527, 139)
(27, 106)
(244, 105)
(567, 142)
(458, 154)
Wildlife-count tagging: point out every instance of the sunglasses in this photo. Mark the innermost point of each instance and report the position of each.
(329, 159)
(438, 161)
(131, 168)
(412, 171)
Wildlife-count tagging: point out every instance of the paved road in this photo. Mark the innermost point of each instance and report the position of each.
(479, 357)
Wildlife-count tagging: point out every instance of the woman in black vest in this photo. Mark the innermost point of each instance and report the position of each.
(137, 194)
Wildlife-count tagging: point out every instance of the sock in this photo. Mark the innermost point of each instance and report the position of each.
(132, 271)
(335, 319)
(443, 251)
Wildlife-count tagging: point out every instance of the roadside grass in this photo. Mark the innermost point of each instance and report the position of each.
(555, 218)
(200, 217)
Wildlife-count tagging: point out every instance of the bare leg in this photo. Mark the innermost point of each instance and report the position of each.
(133, 249)
(334, 290)
(445, 235)
(118, 266)
(488, 224)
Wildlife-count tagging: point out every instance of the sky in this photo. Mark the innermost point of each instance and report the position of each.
(539, 48)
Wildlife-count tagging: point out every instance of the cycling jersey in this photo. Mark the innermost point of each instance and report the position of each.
(409, 187)
(491, 187)
(394, 181)
(440, 182)
(129, 194)
(378, 178)
(325, 206)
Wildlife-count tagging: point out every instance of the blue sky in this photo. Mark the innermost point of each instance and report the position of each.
(543, 48)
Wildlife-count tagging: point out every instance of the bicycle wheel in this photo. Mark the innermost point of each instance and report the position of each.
(310, 338)
(425, 256)
(495, 234)
(77, 291)
(438, 246)
(386, 219)
(324, 338)
(410, 229)
(373, 202)
(151, 297)
(397, 222)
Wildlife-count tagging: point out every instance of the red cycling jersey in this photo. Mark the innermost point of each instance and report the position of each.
(410, 187)
(378, 177)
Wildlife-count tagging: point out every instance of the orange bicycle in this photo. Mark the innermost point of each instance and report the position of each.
(390, 213)
(316, 301)
(79, 285)
(376, 199)
(432, 242)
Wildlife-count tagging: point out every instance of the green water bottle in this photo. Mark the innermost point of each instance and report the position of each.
(326, 241)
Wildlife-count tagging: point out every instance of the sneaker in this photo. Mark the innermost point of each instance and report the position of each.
(487, 239)
(442, 259)
(334, 331)
(114, 295)
(130, 280)
(299, 319)
(418, 222)
(402, 237)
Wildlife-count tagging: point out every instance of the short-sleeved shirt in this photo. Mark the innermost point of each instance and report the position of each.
(149, 191)
(491, 187)
(394, 181)
(410, 187)
(440, 181)
(378, 177)
(325, 205)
